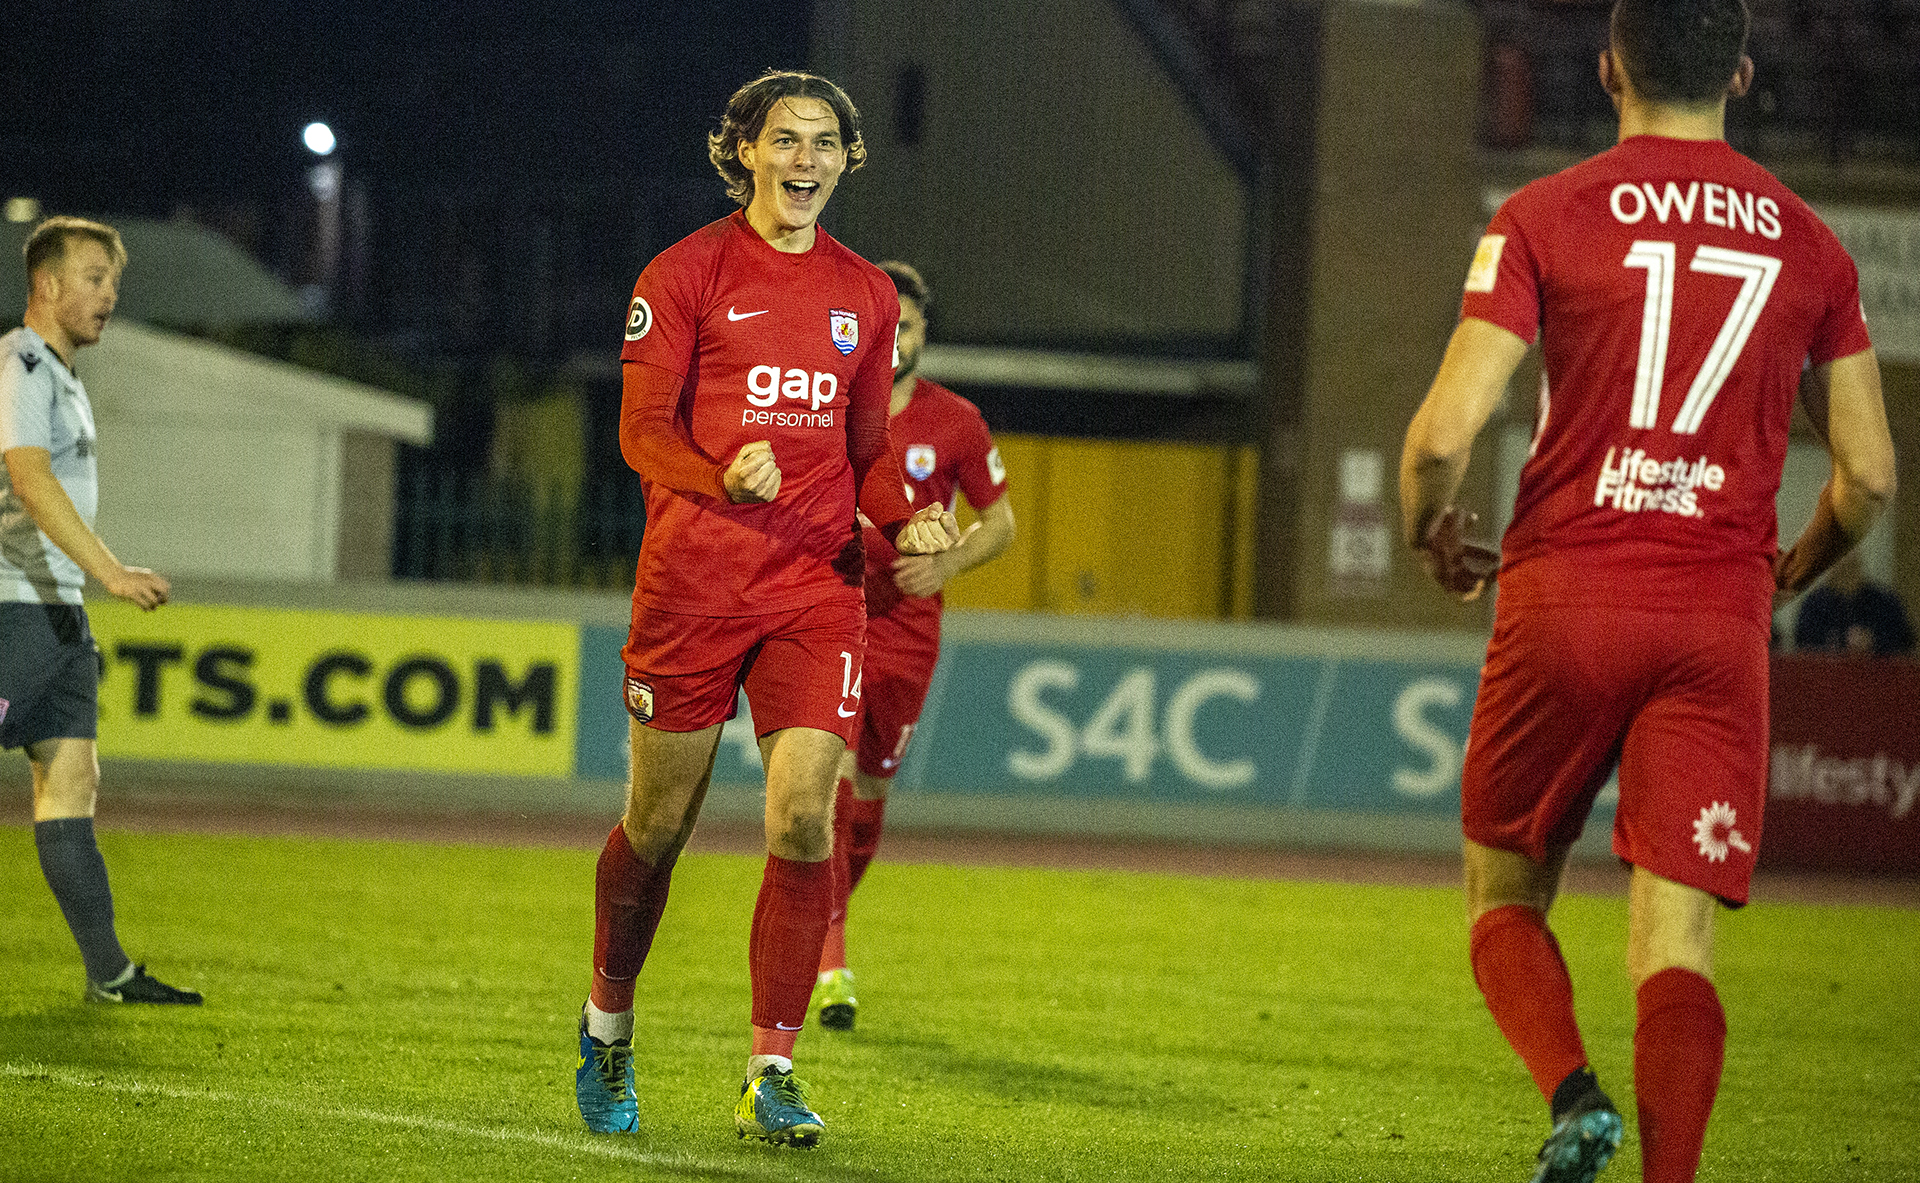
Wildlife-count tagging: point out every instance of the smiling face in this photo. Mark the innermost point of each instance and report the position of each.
(75, 295)
(796, 162)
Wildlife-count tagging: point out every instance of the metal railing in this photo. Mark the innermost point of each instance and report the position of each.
(451, 525)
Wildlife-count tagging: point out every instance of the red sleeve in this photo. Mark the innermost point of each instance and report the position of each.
(664, 315)
(876, 470)
(982, 477)
(1503, 284)
(1843, 331)
(653, 442)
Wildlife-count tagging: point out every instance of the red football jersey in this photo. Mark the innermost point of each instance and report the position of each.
(1679, 290)
(941, 442)
(788, 348)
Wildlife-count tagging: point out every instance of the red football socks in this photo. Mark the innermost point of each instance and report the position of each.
(833, 952)
(1517, 963)
(1679, 1042)
(856, 838)
(628, 897)
(789, 926)
(867, 818)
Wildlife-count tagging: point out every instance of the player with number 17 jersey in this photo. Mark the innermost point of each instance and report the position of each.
(795, 349)
(1678, 289)
(1683, 288)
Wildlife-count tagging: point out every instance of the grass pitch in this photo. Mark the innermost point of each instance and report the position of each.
(391, 1011)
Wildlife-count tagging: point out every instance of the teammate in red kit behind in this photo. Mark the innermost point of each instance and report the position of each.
(1682, 295)
(942, 443)
(757, 368)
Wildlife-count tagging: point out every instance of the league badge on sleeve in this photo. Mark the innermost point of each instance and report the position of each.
(919, 461)
(639, 700)
(845, 329)
(639, 319)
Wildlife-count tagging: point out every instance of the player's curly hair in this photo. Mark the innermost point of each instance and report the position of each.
(1680, 51)
(746, 115)
(908, 283)
(47, 245)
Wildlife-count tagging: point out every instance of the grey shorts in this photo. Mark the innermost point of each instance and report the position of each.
(49, 674)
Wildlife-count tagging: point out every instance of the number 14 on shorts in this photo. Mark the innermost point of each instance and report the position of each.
(849, 686)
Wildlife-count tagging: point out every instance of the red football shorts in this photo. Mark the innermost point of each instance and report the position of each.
(899, 669)
(800, 668)
(1678, 702)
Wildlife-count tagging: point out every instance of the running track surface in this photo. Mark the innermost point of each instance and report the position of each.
(144, 810)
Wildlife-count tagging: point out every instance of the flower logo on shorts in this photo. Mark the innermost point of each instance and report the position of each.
(1714, 834)
(639, 700)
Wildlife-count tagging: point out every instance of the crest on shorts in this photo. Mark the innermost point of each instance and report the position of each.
(1714, 834)
(919, 461)
(639, 700)
(844, 327)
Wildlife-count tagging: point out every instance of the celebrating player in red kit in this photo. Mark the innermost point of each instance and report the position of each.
(942, 443)
(1682, 296)
(757, 369)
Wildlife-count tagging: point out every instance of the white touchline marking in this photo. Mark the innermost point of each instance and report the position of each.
(593, 1144)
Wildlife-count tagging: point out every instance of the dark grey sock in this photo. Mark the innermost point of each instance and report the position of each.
(75, 870)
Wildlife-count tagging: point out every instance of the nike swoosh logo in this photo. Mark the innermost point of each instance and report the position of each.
(732, 315)
(778, 1026)
(844, 712)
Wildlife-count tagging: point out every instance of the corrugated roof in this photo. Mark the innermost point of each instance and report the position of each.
(178, 273)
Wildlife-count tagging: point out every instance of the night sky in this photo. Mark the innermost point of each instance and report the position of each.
(138, 106)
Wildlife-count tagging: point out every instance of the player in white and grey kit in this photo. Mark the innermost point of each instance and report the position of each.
(49, 664)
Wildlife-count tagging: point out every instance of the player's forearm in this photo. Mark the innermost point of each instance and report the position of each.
(1428, 482)
(651, 443)
(54, 513)
(1845, 513)
(1470, 384)
(877, 475)
(988, 542)
(1864, 473)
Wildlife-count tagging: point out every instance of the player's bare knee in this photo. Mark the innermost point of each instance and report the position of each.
(654, 841)
(801, 835)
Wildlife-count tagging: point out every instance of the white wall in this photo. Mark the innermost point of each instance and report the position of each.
(215, 463)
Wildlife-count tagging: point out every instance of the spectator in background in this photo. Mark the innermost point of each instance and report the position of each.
(1850, 613)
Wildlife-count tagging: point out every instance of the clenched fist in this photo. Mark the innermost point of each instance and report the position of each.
(753, 478)
(928, 532)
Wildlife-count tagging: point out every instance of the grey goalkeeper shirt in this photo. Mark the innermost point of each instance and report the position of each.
(42, 405)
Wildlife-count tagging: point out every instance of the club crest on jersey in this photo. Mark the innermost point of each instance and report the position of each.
(920, 461)
(639, 700)
(844, 327)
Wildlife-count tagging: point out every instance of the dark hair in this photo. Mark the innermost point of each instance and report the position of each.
(746, 115)
(1680, 51)
(907, 282)
(47, 245)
